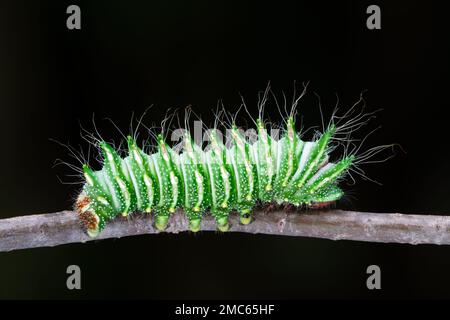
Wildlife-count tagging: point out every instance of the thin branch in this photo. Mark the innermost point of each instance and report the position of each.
(52, 229)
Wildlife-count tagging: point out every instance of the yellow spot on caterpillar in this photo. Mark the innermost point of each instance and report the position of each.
(174, 182)
(164, 152)
(198, 177)
(137, 157)
(123, 188)
(109, 156)
(103, 201)
(147, 181)
(149, 184)
(120, 183)
(173, 178)
(89, 179)
(126, 194)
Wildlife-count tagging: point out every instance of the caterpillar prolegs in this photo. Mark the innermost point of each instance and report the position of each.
(221, 178)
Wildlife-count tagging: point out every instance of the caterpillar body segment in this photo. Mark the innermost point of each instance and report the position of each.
(195, 178)
(219, 179)
(221, 185)
(265, 163)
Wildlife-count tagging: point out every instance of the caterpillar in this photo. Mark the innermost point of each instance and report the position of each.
(223, 177)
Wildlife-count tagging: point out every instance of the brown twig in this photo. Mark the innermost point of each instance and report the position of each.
(52, 229)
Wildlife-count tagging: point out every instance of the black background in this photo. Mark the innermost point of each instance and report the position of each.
(133, 54)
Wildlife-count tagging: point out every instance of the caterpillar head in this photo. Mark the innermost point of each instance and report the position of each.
(89, 219)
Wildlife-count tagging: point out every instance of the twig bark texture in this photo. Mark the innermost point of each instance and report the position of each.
(52, 229)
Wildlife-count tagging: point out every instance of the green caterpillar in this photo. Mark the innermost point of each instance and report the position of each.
(218, 180)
